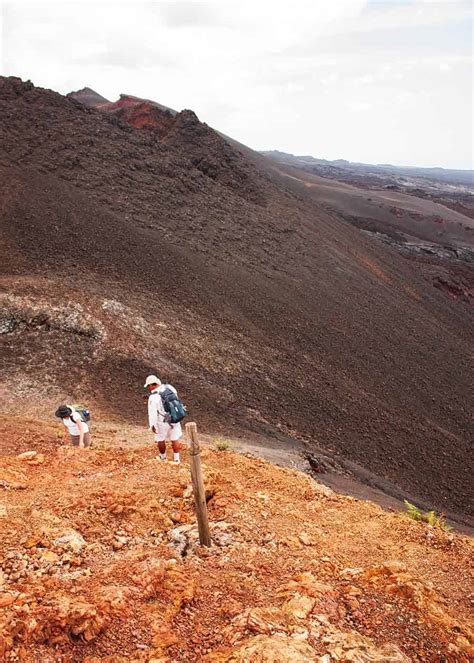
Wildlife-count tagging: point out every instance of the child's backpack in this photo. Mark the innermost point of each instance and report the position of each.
(175, 410)
(82, 411)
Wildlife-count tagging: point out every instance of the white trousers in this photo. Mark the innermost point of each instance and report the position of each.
(166, 431)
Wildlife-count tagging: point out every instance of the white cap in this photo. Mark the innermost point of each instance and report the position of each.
(151, 379)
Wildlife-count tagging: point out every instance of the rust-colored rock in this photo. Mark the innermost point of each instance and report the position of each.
(7, 598)
(266, 649)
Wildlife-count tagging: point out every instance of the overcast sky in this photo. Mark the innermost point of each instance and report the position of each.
(374, 81)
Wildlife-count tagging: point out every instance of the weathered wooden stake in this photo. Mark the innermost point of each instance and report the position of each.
(198, 485)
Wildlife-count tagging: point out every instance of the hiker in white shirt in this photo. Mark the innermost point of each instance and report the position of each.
(156, 419)
(77, 428)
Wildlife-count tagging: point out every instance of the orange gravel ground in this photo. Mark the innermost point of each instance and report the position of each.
(295, 571)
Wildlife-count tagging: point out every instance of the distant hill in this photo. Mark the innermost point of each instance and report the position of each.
(321, 167)
(412, 213)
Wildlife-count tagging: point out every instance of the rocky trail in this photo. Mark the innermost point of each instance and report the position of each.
(99, 562)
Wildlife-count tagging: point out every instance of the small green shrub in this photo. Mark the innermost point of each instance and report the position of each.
(223, 445)
(431, 517)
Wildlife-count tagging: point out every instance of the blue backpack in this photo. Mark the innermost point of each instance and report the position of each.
(82, 411)
(173, 407)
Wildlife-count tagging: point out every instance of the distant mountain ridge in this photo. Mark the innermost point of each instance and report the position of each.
(448, 175)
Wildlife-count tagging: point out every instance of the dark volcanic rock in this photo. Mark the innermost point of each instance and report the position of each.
(88, 97)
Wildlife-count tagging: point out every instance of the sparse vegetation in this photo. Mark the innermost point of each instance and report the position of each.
(223, 445)
(431, 517)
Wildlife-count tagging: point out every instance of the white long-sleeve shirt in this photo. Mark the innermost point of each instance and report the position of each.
(71, 423)
(156, 411)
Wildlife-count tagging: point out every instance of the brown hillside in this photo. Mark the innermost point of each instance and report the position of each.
(126, 251)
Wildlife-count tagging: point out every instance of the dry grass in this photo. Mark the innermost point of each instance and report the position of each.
(223, 444)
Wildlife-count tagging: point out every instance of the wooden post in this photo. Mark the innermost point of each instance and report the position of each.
(198, 485)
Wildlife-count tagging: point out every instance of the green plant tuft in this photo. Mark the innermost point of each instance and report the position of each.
(223, 445)
(431, 517)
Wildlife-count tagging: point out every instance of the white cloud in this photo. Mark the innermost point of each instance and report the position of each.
(445, 68)
(423, 14)
(359, 105)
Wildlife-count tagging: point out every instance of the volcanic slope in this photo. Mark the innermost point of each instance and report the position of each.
(133, 250)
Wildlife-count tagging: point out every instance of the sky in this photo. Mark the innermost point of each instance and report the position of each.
(386, 81)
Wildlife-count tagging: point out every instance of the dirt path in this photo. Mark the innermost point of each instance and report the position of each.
(279, 450)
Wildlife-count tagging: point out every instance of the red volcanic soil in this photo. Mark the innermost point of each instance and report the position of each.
(98, 566)
(142, 115)
(139, 113)
(135, 250)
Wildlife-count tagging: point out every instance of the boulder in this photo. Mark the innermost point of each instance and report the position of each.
(32, 457)
(49, 556)
(299, 606)
(305, 539)
(36, 460)
(351, 646)
(266, 649)
(71, 540)
(7, 598)
(27, 455)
